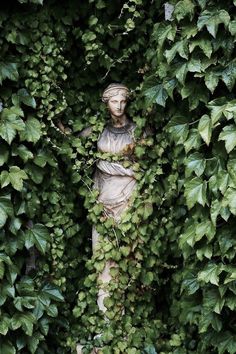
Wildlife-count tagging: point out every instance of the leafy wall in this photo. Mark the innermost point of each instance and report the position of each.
(175, 249)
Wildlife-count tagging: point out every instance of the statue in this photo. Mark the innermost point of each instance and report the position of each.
(114, 182)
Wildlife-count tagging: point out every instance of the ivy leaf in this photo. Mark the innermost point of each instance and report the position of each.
(195, 192)
(210, 274)
(232, 28)
(4, 153)
(226, 343)
(6, 209)
(15, 176)
(32, 131)
(229, 75)
(162, 32)
(205, 128)
(39, 236)
(11, 123)
(211, 81)
(157, 94)
(193, 141)
(8, 71)
(179, 47)
(204, 44)
(23, 96)
(212, 19)
(7, 348)
(178, 128)
(230, 199)
(229, 136)
(195, 163)
(52, 292)
(184, 8)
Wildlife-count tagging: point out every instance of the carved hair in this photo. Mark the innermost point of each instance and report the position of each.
(113, 90)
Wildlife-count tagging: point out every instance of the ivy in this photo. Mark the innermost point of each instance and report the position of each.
(173, 288)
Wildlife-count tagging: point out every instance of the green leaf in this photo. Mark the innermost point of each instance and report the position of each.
(193, 141)
(52, 292)
(211, 81)
(195, 192)
(11, 123)
(8, 71)
(232, 28)
(184, 8)
(4, 153)
(23, 152)
(195, 163)
(156, 94)
(23, 96)
(180, 48)
(190, 284)
(4, 325)
(7, 348)
(162, 31)
(230, 199)
(229, 136)
(15, 176)
(39, 236)
(210, 274)
(204, 44)
(205, 128)
(212, 19)
(6, 209)
(178, 128)
(32, 131)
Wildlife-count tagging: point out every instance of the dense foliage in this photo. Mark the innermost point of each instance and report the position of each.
(174, 288)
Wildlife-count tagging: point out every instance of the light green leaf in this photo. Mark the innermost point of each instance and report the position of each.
(205, 128)
(229, 136)
(195, 192)
(32, 131)
(11, 123)
(15, 176)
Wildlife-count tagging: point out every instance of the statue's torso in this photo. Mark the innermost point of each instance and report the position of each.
(115, 182)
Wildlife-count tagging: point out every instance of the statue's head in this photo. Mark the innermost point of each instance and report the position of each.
(116, 97)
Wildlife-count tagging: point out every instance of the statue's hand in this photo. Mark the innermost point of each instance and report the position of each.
(86, 132)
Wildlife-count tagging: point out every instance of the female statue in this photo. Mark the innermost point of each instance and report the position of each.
(114, 182)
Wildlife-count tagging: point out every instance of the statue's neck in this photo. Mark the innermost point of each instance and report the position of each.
(119, 122)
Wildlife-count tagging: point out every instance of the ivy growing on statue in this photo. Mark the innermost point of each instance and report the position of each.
(176, 247)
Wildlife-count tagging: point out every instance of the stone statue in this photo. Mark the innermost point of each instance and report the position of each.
(114, 182)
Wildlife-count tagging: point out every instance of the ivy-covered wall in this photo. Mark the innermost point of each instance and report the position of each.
(174, 288)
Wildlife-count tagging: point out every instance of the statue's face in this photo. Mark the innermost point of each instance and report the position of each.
(117, 103)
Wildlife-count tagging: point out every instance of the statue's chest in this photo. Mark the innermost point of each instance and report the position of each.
(111, 142)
